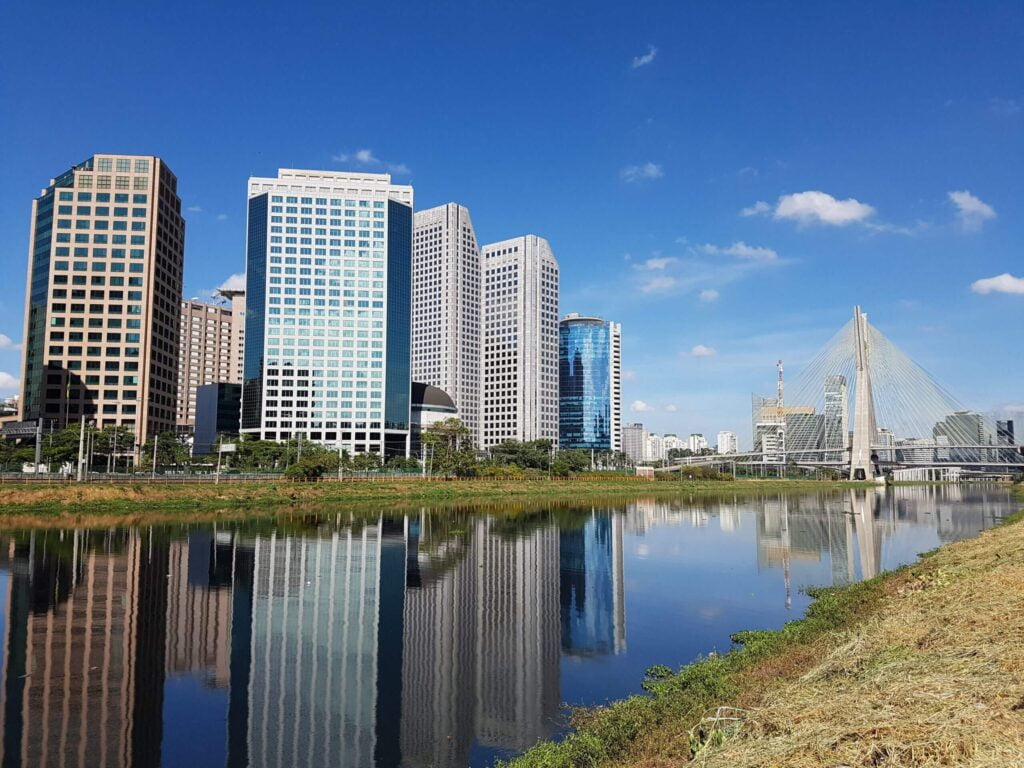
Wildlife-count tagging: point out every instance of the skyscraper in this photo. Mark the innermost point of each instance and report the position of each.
(446, 340)
(520, 363)
(103, 296)
(204, 355)
(328, 295)
(589, 384)
(237, 299)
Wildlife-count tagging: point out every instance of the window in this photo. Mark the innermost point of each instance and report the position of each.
(124, 165)
(104, 164)
(142, 166)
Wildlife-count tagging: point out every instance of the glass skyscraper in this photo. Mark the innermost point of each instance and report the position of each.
(328, 281)
(590, 387)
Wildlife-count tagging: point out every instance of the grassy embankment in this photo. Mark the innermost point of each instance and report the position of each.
(920, 667)
(27, 504)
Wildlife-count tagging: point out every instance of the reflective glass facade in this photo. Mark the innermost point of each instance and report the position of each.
(255, 313)
(585, 384)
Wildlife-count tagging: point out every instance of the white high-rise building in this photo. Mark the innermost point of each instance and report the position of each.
(727, 442)
(328, 301)
(654, 449)
(697, 442)
(671, 442)
(520, 335)
(446, 317)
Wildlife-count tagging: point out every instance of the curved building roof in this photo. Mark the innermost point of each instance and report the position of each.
(425, 396)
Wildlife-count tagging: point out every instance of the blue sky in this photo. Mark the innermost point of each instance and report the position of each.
(632, 136)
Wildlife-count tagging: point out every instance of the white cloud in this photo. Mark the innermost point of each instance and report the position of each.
(629, 375)
(633, 173)
(1004, 283)
(647, 58)
(194, 209)
(742, 250)
(757, 209)
(1005, 107)
(820, 207)
(702, 351)
(639, 406)
(658, 285)
(671, 407)
(708, 295)
(8, 383)
(6, 342)
(971, 211)
(222, 217)
(366, 158)
(747, 170)
(658, 262)
(235, 282)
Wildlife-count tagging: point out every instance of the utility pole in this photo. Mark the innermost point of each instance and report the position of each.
(81, 450)
(156, 442)
(220, 447)
(39, 444)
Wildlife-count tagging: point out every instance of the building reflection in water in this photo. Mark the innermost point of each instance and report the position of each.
(393, 642)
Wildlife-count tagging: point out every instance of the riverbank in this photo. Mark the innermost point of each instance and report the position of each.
(919, 667)
(24, 505)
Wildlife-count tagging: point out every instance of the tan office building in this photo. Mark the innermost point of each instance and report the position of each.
(102, 318)
(210, 351)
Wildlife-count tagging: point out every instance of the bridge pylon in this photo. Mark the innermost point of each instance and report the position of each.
(864, 426)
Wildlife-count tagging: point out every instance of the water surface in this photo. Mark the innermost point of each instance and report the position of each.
(430, 639)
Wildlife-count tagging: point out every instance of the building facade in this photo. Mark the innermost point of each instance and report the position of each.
(446, 315)
(520, 341)
(589, 384)
(696, 442)
(634, 441)
(727, 442)
(204, 355)
(236, 298)
(102, 319)
(328, 302)
(836, 425)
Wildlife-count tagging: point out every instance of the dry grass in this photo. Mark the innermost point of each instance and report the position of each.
(934, 678)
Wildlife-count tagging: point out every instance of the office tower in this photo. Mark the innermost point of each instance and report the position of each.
(204, 355)
(236, 297)
(966, 430)
(634, 441)
(836, 415)
(327, 325)
(520, 364)
(446, 340)
(727, 442)
(696, 442)
(589, 384)
(102, 308)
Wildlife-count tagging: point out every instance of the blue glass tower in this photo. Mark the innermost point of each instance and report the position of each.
(589, 413)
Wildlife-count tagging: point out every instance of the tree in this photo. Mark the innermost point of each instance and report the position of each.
(171, 450)
(449, 448)
(535, 454)
(570, 462)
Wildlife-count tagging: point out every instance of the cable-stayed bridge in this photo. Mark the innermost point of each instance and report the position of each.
(862, 407)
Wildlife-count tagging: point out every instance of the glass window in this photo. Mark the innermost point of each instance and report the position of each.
(124, 165)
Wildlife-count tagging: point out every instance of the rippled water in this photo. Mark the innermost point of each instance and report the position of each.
(432, 638)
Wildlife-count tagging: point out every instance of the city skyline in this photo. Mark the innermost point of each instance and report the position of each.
(724, 220)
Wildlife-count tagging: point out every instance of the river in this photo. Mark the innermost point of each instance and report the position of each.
(430, 638)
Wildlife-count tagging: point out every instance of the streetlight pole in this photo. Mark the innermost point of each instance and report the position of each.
(81, 450)
(156, 442)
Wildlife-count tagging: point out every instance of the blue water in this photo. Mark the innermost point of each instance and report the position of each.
(430, 638)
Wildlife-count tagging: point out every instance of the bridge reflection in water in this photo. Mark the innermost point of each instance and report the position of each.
(431, 639)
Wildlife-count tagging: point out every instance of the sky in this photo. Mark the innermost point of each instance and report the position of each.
(727, 180)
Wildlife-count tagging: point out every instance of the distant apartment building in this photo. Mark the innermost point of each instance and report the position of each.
(520, 341)
(654, 448)
(102, 309)
(589, 384)
(446, 308)
(671, 442)
(696, 442)
(634, 441)
(209, 351)
(727, 442)
(236, 298)
(328, 304)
